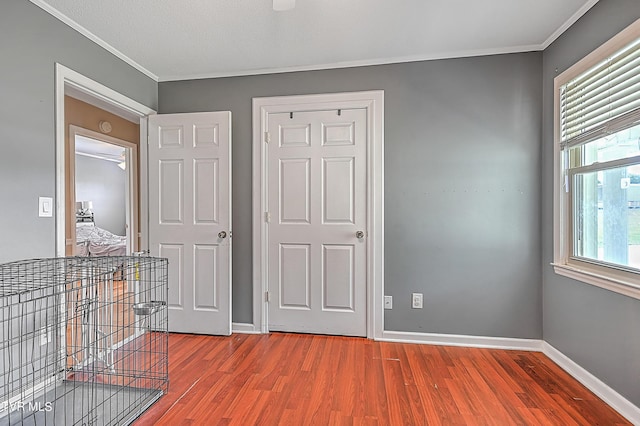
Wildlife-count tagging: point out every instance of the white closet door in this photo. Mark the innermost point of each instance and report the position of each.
(317, 209)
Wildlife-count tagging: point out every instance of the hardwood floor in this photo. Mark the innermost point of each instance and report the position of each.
(293, 379)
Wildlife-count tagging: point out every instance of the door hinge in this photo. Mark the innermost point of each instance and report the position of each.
(267, 138)
(266, 296)
(267, 217)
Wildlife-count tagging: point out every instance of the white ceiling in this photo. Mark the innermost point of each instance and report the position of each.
(98, 149)
(185, 39)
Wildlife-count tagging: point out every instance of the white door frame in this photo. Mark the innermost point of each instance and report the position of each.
(373, 102)
(66, 78)
(131, 173)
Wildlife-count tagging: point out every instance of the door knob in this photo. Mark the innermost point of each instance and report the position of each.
(222, 234)
(359, 235)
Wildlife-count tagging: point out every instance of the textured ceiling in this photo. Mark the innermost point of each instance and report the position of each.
(184, 39)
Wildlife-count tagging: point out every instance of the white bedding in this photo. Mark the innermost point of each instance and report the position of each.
(94, 241)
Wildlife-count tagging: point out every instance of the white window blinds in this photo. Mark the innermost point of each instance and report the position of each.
(603, 98)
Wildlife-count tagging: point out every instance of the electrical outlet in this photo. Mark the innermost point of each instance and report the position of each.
(416, 300)
(388, 302)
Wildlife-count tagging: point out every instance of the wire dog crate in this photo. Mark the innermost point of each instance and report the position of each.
(84, 340)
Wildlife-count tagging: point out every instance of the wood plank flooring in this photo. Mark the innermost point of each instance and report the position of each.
(293, 379)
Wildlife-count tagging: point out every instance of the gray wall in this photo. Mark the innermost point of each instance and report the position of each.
(464, 206)
(103, 183)
(596, 328)
(31, 42)
(462, 185)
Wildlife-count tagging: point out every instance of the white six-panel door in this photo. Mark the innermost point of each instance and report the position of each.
(190, 216)
(316, 222)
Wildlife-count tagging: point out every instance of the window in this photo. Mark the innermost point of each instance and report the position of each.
(597, 173)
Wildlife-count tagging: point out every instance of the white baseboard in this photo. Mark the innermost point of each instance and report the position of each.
(243, 328)
(462, 340)
(595, 385)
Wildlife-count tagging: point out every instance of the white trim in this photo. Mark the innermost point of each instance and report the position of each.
(132, 192)
(66, 77)
(373, 102)
(143, 232)
(568, 23)
(462, 340)
(607, 282)
(332, 65)
(94, 38)
(454, 54)
(616, 401)
(601, 276)
(595, 385)
(617, 42)
(89, 99)
(560, 200)
(99, 91)
(243, 328)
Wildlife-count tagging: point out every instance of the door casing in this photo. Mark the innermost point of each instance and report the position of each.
(132, 187)
(373, 102)
(67, 79)
(99, 95)
(103, 97)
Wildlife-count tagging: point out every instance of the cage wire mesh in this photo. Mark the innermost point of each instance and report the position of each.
(84, 340)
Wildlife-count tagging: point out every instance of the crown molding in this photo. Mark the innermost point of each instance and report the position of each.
(94, 38)
(568, 23)
(352, 64)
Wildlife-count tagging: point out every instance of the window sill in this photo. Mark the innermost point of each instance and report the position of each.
(615, 284)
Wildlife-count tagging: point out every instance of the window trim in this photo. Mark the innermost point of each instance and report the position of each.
(611, 278)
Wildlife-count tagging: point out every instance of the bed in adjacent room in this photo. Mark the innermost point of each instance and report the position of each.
(92, 240)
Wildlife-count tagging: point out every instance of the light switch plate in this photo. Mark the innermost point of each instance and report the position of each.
(388, 302)
(45, 207)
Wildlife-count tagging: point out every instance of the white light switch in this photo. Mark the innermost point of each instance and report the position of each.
(45, 207)
(388, 302)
